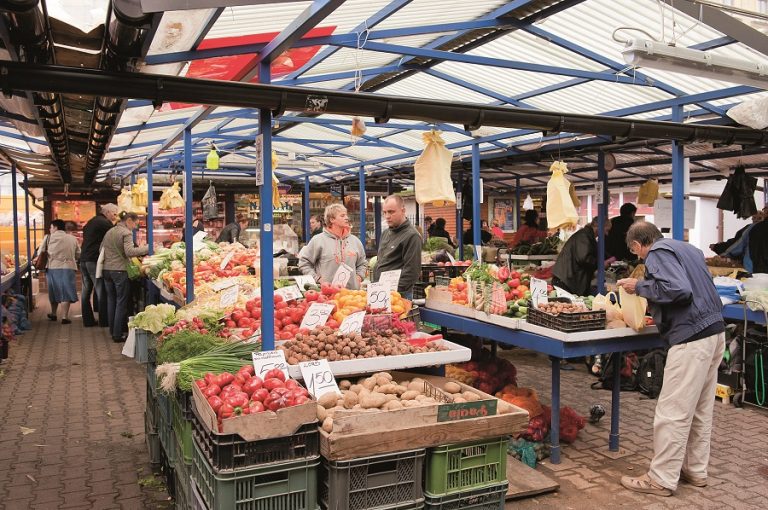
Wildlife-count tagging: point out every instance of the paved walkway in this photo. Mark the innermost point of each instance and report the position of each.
(82, 404)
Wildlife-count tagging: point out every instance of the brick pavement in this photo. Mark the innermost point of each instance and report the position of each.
(590, 480)
(85, 402)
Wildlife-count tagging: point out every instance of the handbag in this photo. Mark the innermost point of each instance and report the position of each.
(41, 262)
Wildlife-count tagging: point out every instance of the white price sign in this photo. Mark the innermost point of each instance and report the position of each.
(318, 377)
(564, 294)
(379, 296)
(229, 296)
(303, 280)
(538, 291)
(316, 316)
(391, 278)
(197, 240)
(222, 284)
(479, 252)
(289, 293)
(264, 361)
(227, 259)
(353, 323)
(342, 276)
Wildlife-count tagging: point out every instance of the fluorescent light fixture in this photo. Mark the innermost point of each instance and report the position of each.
(657, 55)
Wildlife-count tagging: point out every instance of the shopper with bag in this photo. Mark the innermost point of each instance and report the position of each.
(688, 312)
(118, 269)
(63, 253)
(93, 234)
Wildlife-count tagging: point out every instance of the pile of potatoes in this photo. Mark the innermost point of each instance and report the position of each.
(326, 343)
(380, 392)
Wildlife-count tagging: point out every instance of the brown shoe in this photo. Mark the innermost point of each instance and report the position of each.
(696, 481)
(645, 485)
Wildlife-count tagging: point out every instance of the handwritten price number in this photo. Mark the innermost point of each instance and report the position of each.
(318, 377)
(379, 296)
(391, 278)
(229, 296)
(227, 259)
(316, 316)
(342, 276)
(265, 361)
(290, 293)
(352, 323)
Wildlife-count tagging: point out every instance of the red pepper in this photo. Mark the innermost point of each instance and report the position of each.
(237, 401)
(260, 395)
(249, 369)
(215, 403)
(211, 390)
(273, 383)
(225, 411)
(231, 388)
(239, 379)
(301, 400)
(256, 407)
(252, 385)
(201, 383)
(276, 373)
(291, 384)
(278, 399)
(224, 378)
(210, 378)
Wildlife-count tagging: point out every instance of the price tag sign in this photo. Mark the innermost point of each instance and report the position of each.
(391, 278)
(564, 294)
(316, 316)
(264, 361)
(227, 259)
(222, 284)
(197, 241)
(379, 296)
(353, 323)
(229, 296)
(289, 293)
(303, 280)
(342, 276)
(318, 377)
(538, 291)
(479, 252)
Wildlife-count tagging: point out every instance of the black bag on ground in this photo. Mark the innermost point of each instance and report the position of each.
(627, 364)
(650, 373)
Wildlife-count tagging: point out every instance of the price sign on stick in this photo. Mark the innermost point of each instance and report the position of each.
(303, 280)
(289, 293)
(379, 296)
(316, 316)
(318, 378)
(353, 323)
(342, 276)
(229, 296)
(391, 278)
(227, 259)
(538, 291)
(564, 294)
(265, 361)
(197, 241)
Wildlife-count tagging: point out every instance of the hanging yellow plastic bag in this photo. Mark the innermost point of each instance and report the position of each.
(432, 182)
(358, 127)
(612, 310)
(125, 201)
(139, 192)
(560, 209)
(171, 198)
(649, 192)
(572, 191)
(275, 182)
(633, 309)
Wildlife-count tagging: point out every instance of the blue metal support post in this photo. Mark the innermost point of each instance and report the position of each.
(266, 235)
(476, 219)
(29, 241)
(390, 187)
(460, 217)
(377, 219)
(188, 210)
(416, 221)
(554, 431)
(613, 437)
(602, 217)
(362, 204)
(678, 186)
(518, 205)
(14, 183)
(150, 211)
(305, 222)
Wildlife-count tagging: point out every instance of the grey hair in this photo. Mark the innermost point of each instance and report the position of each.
(332, 211)
(109, 209)
(643, 232)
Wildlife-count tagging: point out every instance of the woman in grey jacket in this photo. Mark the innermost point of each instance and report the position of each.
(326, 252)
(118, 249)
(63, 253)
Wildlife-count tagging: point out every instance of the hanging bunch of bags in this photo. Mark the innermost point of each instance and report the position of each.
(649, 192)
(432, 172)
(739, 194)
(561, 211)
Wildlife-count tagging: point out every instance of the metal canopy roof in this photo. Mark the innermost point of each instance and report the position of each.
(556, 55)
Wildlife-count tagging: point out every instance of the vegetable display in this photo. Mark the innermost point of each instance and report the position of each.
(154, 318)
(185, 344)
(548, 246)
(222, 358)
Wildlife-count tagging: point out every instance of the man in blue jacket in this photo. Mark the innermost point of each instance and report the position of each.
(688, 312)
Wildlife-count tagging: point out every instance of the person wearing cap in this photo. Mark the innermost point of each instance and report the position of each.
(93, 234)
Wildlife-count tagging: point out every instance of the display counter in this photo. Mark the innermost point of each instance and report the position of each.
(736, 312)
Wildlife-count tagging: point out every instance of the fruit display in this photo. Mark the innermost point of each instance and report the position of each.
(350, 301)
(485, 373)
(232, 395)
(556, 308)
(548, 246)
(8, 262)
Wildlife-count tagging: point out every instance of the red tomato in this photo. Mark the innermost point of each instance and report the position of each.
(286, 335)
(278, 298)
(231, 324)
(280, 314)
(256, 312)
(236, 315)
(243, 323)
(281, 305)
(296, 316)
(287, 321)
(311, 295)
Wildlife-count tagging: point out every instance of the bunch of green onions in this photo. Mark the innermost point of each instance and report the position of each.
(229, 357)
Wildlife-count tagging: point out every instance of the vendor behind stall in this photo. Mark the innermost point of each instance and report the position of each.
(616, 241)
(575, 266)
(231, 233)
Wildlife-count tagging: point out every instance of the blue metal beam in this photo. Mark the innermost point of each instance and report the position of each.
(476, 192)
(188, 209)
(477, 88)
(714, 43)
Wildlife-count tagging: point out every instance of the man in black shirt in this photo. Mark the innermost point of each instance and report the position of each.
(93, 234)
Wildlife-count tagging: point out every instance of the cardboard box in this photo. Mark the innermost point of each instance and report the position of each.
(722, 391)
(255, 427)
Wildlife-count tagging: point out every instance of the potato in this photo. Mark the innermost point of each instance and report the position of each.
(459, 400)
(420, 397)
(373, 401)
(393, 405)
(350, 399)
(409, 395)
(400, 389)
(328, 400)
(356, 388)
(369, 384)
(382, 381)
(452, 387)
(388, 389)
(385, 375)
(321, 413)
(391, 396)
(328, 424)
(345, 384)
(409, 403)
(470, 396)
(416, 385)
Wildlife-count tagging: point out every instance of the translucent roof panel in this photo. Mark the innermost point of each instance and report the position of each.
(254, 19)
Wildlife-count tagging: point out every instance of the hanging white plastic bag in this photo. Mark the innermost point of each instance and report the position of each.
(528, 203)
(171, 198)
(432, 171)
(560, 209)
(125, 201)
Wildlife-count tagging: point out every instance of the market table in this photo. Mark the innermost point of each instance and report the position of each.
(8, 280)
(558, 347)
(736, 312)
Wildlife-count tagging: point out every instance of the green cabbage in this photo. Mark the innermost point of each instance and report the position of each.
(154, 318)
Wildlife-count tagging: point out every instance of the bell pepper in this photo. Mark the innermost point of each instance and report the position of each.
(252, 385)
(210, 378)
(211, 390)
(260, 395)
(275, 373)
(256, 407)
(215, 403)
(224, 378)
(231, 388)
(201, 383)
(225, 411)
(279, 398)
(271, 383)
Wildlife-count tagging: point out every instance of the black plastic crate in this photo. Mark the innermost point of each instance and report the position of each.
(184, 400)
(430, 271)
(392, 481)
(419, 290)
(230, 452)
(568, 322)
(487, 498)
(151, 366)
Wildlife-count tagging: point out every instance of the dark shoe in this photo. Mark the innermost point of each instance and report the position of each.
(118, 340)
(51, 317)
(89, 325)
(66, 321)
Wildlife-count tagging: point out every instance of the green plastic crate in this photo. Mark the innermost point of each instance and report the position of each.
(165, 431)
(183, 483)
(488, 498)
(182, 428)
(152, 438)
(286, 486)
(465, 466)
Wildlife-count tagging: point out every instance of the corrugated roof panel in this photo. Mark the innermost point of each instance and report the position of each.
(422, 12)
(426, 86)
(368, 153)
(256, 19)
(612, 97)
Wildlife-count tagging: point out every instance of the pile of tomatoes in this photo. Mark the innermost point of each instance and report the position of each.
(288, 316)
